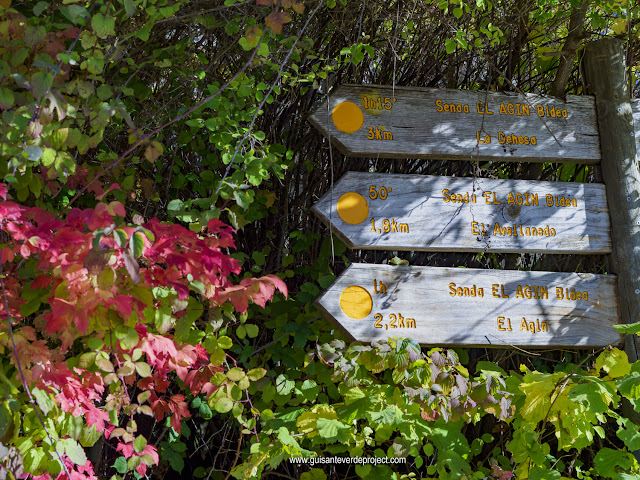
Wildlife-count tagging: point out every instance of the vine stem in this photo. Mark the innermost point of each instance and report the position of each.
(566, 379)
(22, 377)
(266, 96)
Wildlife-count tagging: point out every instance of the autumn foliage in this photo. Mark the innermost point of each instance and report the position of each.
(119, 310)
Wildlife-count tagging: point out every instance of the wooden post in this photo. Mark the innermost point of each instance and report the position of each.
(604, 69)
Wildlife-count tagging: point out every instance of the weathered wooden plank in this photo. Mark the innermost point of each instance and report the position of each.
(367, 120)
(418, 212)
(457, 306)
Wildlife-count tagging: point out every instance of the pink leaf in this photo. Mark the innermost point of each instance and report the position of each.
(112, 187)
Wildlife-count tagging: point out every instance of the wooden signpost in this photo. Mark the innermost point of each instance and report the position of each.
(376, 121)
(460, 306)
(418, 212)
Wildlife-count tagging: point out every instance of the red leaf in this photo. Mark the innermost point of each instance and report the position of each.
(275, 21)
(116, 208)
(125, 448)
(112, 187)
(267, 3)
(3, 191)
(124, 304)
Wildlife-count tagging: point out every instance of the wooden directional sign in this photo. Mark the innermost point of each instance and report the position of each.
(376, 121)
(459, 306)
(418, 212)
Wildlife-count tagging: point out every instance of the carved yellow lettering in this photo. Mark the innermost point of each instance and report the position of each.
(501, 324)
(534, 199)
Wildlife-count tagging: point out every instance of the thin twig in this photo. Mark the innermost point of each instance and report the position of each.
(22, 377)
(144, 138)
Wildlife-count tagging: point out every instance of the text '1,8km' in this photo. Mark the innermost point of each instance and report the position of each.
(405, 122)
(419, 212)
(459, 306)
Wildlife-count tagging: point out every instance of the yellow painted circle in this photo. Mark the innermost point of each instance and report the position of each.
(356, 302)
(353, 208)
(347, 117)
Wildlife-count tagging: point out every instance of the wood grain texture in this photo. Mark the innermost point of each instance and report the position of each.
(424, 295)
(419, 130)
(432, 213)
(605, 73)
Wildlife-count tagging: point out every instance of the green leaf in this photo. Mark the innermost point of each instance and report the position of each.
(41, 83)
(241, 331)
(120, 237)
(6, 98)
(284, 386)
(40, 7)
(164, 322)
(490, 368)
(629, 329)
(48, 157)
(614, 362)
(104, 92)
(314, 474)
(236, 374)
(42, 398)
(256, 374)
(136, 244)
(225, 342)
(75, 13)
(120, 465)
(629, 434)
(34, 35)
(139, 443)
(30, 307)
(33, 458)
(332, 429)
(223, 405)
(608, 460)
(539, 473)
(143, 369)
(74, 451)
(103, 26)
(174, 207)
(450, 46)
(388, 415)
(252, 330)
(309, 390)
(129, 8)
(6, 420)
